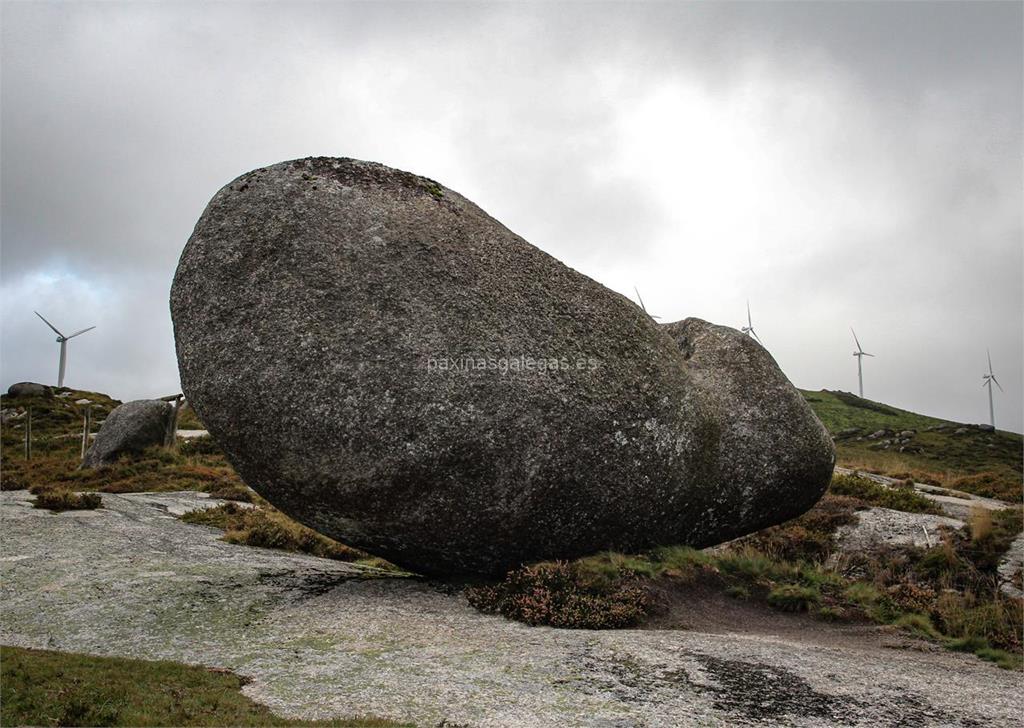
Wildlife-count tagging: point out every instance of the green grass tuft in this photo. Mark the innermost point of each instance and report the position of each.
(41, 687)
(918, 624)
(868, 491)
(794, 598)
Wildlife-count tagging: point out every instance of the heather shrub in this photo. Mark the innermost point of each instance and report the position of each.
(58, 499)
(561, 594)
(910, 597)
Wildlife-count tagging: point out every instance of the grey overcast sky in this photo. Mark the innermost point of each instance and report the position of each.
(839, 164)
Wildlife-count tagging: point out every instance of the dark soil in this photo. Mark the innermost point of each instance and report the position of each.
(704, 607)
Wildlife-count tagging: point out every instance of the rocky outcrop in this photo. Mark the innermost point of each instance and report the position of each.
(129, 428)
(389, 365)
(1011, 569)
(879, 527)
(29, 389)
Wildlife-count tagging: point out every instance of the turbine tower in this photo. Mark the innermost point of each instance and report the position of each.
(860, 353)
(749, 328)
(642, 303)
(986, 381)
(63, 341)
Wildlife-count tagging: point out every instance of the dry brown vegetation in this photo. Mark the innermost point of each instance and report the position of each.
(59, 499)
(265, 526)
(156, 469)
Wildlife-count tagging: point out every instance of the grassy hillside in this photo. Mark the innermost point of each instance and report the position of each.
(876, 437)
(56, 453)
(55, 419)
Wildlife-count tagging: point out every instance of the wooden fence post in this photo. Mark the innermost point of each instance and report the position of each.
(171, 436)
(86, 426)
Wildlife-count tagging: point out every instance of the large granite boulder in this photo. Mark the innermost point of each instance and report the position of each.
(389, 365)
(129, 428)
(29, 389)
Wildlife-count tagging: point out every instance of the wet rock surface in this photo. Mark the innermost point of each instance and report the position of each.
(129, 428)
(318, 641)
(391, 366)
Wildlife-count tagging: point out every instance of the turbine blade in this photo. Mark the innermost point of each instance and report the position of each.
(998, 384)
(758, 338)
(859, 347)
(866, 354)
(48, 323)
(989, 360)
(81, 332)
(641, 300)
(749, 322)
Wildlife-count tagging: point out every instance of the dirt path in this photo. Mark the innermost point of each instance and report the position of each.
(318, 640)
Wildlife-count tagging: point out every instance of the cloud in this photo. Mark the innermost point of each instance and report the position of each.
(838, 164)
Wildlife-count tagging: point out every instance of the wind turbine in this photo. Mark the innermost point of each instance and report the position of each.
(749, 328)
(63, 341)
(642, 303)
(860, 353)
(987, 380)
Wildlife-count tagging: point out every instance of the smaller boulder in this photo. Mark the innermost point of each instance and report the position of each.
(29, 389)
(986, 428)
(130, 427)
